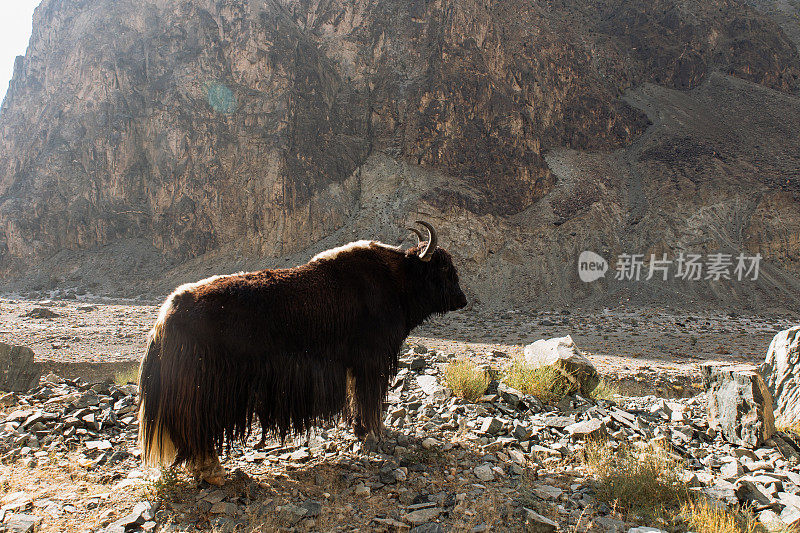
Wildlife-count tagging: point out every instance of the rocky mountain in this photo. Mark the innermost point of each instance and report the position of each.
(147, 143)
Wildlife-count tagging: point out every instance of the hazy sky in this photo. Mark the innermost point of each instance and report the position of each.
(15, 30)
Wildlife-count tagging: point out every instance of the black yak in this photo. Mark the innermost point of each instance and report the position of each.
(293, 347)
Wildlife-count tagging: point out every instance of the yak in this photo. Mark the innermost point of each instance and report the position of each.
(294, 347)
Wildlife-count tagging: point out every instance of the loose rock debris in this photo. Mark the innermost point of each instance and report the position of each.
(506, 462)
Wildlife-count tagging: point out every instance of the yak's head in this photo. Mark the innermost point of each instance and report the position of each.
(435, 272)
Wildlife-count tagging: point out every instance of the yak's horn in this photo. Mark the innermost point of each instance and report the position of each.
(427, 253)
(418, 233)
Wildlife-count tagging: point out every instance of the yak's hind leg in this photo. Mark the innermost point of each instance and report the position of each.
(209, 470)
(262, 420)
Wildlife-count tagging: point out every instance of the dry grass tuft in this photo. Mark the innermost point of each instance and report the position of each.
(123, 377)
(466, 379)
(637, 480)
(545, 383)
(790, 427)
(604, 391)
(703, 517)
(169, 486)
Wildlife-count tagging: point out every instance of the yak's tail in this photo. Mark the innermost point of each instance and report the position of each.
(155, 441)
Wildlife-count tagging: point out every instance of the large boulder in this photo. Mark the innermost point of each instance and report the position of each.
(739, 403)
(781, 371)
(562, 353)
(18, 371)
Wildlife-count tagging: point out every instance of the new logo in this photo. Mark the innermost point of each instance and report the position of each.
(591, 267)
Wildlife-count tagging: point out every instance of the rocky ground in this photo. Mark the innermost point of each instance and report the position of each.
(505, 462)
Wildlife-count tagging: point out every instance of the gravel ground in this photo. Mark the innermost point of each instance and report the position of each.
(505, 462)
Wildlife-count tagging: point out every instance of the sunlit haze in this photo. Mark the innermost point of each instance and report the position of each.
(15, 31)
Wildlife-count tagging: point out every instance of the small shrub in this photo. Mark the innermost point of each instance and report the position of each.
(168, 486)
(641, 481)
(702, 517)
(604, 391)
(123, 377)
(545, 383)
(466, 380)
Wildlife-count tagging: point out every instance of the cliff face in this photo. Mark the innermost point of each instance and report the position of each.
(228, 133)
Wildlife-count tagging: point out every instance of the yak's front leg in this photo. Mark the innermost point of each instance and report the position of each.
(365, 398)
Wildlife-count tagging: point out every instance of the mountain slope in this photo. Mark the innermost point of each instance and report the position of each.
(142, 143)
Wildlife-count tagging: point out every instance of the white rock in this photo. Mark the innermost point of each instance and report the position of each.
(594, 427)
(491, 425)
(771, 521)
(787, 498)
(128, 483)
(731, 470)
(781, 370)
(791, 515)
(15, 500)
(428, 384)
(21, 523)
(739, 403)
(562, 353)
(517, 456)
(677, 411)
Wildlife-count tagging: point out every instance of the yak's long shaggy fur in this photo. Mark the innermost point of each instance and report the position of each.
(285, 346)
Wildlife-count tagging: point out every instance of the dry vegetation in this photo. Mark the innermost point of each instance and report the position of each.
(644, 482)
(638, 480)
(704, 517)
(130, 375)
(545, 383)
(170, 485)
(794, 426)
(466, 379)
(605, 391)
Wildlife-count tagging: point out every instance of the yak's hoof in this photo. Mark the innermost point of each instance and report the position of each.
(211, 472)
(218, 480)
(363, 434)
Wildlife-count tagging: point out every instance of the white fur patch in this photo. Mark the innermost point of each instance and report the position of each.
(186, 287)
(333, 253)
(162, 450)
